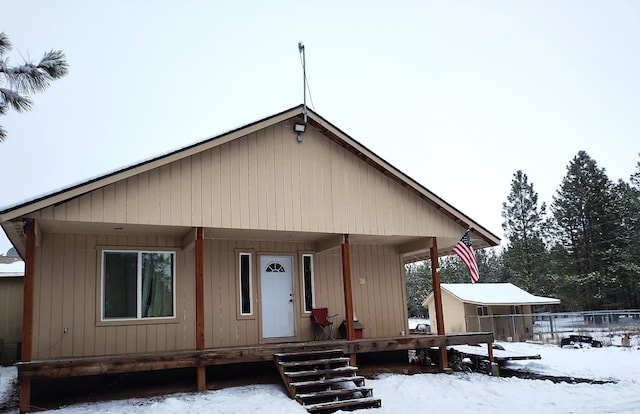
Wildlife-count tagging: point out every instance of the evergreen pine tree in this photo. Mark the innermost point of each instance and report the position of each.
(490, 266)
(585, 226)
(525, 258)
(625, 268)
(453, 270)
(418, 285)
(635, 177)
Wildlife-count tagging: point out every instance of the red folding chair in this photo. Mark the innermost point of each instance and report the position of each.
(322, 325)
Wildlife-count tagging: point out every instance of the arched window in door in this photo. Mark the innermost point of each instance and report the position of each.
(274, 267)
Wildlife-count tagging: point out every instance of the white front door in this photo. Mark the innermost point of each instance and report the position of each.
(276, 292)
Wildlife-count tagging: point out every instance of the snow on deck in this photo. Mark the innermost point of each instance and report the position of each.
(498, 354)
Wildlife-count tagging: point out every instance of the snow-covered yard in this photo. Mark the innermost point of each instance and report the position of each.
(455, 393)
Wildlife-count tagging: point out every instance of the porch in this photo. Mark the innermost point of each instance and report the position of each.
(73, 367)
(200, 359)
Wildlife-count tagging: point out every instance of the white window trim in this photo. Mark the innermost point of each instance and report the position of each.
(138, 285)
(304, 287)
(240, 255)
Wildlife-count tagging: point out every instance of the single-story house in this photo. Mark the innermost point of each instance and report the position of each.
(217, 252)
(11, 287)
(501, 308)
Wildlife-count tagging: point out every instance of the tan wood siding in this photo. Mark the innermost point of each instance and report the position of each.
(454, 312)
(223, 326)
(10, 317)
(67, 298)
(380, 303)
(329, 292)
(378, 286)
(68, 295)
(265, 180)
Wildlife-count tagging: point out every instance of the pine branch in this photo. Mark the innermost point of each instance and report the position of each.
(54, 63)
(15, 100)
(26, 78)
(30, 78)
(5, 44)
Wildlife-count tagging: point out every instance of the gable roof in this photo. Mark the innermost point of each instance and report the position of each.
(493, 294)
(9, 216)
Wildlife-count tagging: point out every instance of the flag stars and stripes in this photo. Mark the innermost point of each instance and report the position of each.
(464, 250)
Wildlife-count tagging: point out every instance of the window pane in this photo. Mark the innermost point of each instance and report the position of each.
(245, 284)
(120, 284)
(157, 285)
(308, 283)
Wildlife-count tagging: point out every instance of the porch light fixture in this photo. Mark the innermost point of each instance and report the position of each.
(299, 129)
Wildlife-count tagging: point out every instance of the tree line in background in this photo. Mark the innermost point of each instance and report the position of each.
(585, 251)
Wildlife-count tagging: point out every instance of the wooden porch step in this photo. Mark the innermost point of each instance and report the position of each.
(324, 361)
(328, 381)
(330, 407)
(334, 394)
(324, 381)
(326, 372)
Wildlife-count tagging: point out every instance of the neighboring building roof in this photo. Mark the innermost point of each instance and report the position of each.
(493, 294)
(15, 269)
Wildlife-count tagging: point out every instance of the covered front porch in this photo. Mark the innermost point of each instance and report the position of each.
(200, 359)
(72, 367)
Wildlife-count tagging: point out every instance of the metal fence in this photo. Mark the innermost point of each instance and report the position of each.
(551, 327)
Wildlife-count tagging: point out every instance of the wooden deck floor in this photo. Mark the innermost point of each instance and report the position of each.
(71, 367)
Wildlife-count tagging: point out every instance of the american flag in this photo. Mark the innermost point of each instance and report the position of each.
(465, 251)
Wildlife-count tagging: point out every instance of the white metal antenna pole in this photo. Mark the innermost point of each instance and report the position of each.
(304, 81)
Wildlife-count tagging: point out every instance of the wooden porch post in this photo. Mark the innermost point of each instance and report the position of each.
(27, 309)
(199, 268)
(348, 295)
(437, 296)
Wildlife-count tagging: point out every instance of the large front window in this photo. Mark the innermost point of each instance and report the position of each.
(138, 284)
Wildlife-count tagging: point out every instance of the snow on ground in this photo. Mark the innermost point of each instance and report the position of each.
(455, 393)
(413, 322)
(7, 377)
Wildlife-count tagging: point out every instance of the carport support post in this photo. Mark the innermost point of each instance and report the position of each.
(348, 295)
(437, 296)
(199, 268)
(495, 369)
(27, 309)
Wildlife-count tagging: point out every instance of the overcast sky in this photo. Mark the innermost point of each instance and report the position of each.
(459, 95)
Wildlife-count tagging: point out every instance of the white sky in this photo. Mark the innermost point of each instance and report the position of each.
(458, 95)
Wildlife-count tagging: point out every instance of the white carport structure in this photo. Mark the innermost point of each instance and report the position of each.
(501, 308)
